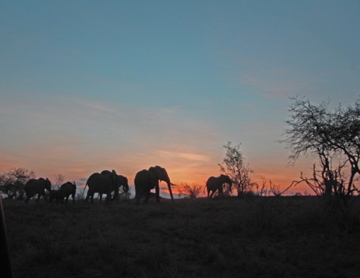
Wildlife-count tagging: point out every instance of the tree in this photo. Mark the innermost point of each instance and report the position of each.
(268, 187)
(191, 190)
(59, 180)
(12, 183)
(331, 136)
(235, 167)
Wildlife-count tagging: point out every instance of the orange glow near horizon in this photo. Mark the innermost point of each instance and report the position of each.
(182, 167)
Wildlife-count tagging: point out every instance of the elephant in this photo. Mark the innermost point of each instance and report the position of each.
(214, 184)
(37, 186)
(67, 189)
(54, 195)
(145, 180)
(119, 181)
(104, 183)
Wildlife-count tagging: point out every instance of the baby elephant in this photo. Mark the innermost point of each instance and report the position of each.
(54, 195)
(66, 190)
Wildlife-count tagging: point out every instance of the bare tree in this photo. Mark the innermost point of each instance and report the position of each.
(331, 136)
(235, 167)
(12, 183)
(269, 187)
(59, 180)
(191, 190)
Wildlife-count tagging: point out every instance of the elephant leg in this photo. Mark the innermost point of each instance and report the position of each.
(212, 193)
(157, 190)
(221, 193)
(137, 198)
(137, 195)
(73, 196)
(147, 196)
(87, 196)
(38, 198)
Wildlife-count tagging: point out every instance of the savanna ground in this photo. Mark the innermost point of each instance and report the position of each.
(260, 237)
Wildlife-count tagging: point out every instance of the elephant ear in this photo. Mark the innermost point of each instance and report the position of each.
(164, 175)
(160, 173)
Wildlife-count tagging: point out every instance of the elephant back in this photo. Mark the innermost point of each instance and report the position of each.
(68, 188)
(146, 179)
(100, 183)
(141, 176)
(34, 186)
(211, 181)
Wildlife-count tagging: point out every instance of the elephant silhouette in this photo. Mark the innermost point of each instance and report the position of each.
(214, 184)
(145, 180)
(37, 186)
(105, 183)
(54, 195)
(67, 189)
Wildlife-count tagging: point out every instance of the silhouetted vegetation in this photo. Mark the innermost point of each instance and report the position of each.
(334, 138)
(12, 182)
(235, 167)
(192, 191)
(254, 236)
(227, 237)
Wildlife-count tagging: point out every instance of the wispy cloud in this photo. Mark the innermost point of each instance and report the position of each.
(75, 137)
(185, 155)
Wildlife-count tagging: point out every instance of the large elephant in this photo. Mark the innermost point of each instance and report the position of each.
(37, 186)
(67, 189)
(214, 184)
(145, 180)
(105, 183)
(119, 181)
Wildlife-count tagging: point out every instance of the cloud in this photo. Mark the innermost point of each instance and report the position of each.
(185, 156)
(77, 137)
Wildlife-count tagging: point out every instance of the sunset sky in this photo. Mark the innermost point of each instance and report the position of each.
(125, 85)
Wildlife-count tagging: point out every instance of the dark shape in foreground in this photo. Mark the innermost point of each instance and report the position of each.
(67, 189)
(214, 184)
(37, 186)
(54, 195)
(145, 180)
(105, 183)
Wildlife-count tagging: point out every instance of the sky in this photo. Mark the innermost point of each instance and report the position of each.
(125, 85)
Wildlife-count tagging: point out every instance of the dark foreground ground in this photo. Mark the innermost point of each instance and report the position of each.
(264, 237)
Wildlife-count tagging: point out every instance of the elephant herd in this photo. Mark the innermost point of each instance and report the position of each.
(108, 182)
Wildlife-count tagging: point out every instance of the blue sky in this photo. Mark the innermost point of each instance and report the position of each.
(125, 85)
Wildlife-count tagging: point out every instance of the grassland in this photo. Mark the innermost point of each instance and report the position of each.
(261, 237)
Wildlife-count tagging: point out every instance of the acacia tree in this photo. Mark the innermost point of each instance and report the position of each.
(235, 167)
(331, 136)
(12, 183)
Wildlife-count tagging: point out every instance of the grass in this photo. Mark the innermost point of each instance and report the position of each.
(262, 237)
